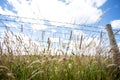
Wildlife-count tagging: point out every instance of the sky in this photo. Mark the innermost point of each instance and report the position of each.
(71, 11)
(62, 13)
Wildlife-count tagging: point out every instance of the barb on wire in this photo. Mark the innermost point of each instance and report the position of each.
(116, 33)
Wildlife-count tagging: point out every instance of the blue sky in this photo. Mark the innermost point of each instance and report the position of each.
(96, 13)
(113, 12)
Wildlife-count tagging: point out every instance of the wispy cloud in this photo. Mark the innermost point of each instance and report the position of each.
(67, 11)
(6, 11)
(77, 11)
(115, 24)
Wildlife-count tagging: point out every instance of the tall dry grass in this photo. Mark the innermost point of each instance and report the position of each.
(20, 60)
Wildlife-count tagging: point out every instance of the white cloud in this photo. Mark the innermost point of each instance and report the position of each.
(96, 3)
(119, 44)
(54, 39)
(78, 32)
(53, 30)
(6, 12)
(10, 24)
(115, 23)
(77, 11)
(39, 26)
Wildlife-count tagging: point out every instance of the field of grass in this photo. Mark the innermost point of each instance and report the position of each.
(53, 67)
(47, 67)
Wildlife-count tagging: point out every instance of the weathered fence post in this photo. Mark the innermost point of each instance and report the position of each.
(49, 42)
(114, 47)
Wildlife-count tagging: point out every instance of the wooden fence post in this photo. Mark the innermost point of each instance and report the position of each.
(49, 42)
(114, 47)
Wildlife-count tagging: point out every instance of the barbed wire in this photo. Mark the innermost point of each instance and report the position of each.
(52, 25)
(13, 16)
(74, 24)
(20, 22)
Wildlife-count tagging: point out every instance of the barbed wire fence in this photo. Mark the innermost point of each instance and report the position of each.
(56, 33)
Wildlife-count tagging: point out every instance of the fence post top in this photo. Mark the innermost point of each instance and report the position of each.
(108, 24)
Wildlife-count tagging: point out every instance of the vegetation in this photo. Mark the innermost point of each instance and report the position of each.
(14, 66)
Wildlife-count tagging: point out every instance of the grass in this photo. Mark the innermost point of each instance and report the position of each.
(56, 68)
(52, 67)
